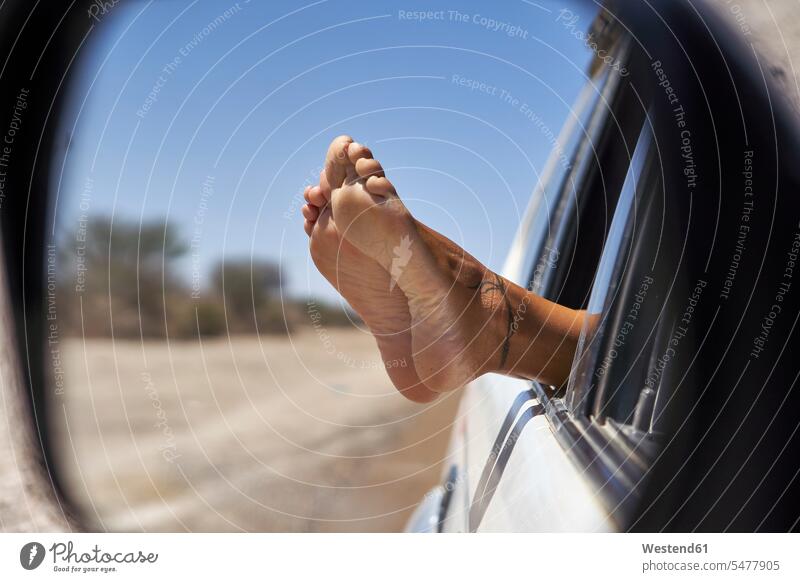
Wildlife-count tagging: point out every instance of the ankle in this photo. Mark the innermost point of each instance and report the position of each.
(489, 327)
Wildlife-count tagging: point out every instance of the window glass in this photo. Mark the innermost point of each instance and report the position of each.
(646, 351)
(581, 214)
(616, 252)
(627, 363)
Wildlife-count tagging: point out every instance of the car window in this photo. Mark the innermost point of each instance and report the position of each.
(590, 362)
(628, 363)
(581, 212)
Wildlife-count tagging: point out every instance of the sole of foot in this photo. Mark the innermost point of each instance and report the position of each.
(396, 275)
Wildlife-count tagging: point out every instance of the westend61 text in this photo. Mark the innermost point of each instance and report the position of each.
(673, 549)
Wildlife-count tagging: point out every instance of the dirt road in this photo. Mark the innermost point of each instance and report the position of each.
(277, 434)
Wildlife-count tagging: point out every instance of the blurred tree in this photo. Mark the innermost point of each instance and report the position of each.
(209, 319)
(123, 271)
(250, 290)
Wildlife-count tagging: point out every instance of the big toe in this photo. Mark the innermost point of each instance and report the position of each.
(337, 162)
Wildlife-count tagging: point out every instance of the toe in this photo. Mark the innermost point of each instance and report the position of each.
(317, 197)
(338, 148)
(324, 186)
(308, 227)
(357, 151)
(380, 186)
(336, 161)
(366, 167)
(371, 169)
(305, 193)
(310, 212)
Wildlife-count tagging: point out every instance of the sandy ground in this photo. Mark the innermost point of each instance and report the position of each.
(276, 434)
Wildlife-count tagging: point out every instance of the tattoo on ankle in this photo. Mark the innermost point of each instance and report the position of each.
(498, 285)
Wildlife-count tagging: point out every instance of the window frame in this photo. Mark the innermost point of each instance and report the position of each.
(581, 391)
(606, 453)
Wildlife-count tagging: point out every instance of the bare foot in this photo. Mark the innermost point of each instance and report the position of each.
(362, 282)
(366, 243)
(424, 298)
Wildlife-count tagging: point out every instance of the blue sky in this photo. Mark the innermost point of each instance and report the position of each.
(457, 106)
